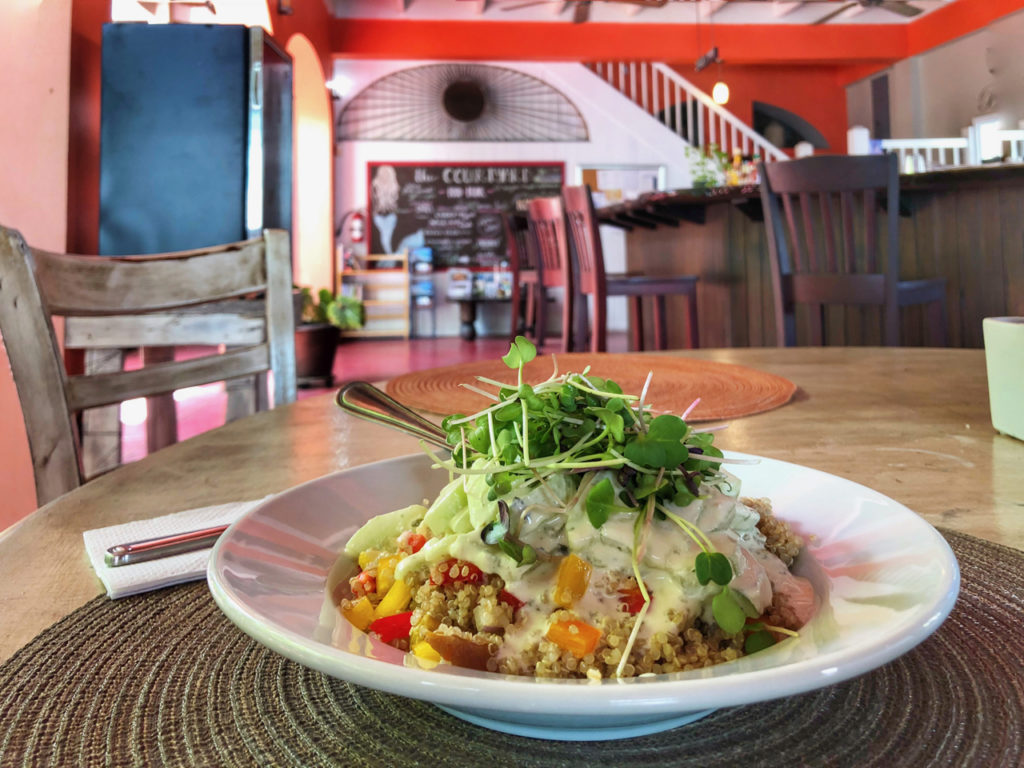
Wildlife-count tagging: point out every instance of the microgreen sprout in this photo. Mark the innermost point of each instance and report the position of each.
(498, 533)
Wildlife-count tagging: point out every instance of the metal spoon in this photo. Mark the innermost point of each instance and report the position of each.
(359, 398)
(362, 399)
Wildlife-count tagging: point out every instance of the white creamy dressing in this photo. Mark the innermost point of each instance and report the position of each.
(540, 518)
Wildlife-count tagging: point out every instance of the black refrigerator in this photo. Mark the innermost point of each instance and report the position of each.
(196, 137)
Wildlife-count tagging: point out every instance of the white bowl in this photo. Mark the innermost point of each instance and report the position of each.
(885, 577)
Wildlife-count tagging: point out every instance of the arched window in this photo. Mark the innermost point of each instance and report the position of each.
(460, 102)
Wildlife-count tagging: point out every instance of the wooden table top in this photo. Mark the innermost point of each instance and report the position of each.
(911, 423)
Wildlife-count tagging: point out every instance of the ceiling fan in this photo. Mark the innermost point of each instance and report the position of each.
(581, 8)
(901, 7)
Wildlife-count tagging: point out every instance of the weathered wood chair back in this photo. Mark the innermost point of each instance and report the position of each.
(186, 298)
(833, 238)
(547, 229)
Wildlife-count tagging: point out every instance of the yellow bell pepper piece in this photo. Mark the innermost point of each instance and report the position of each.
(386, 573)
(395, 601)
(425, 651)
(366, 558)
(359, 613)
(573, 578)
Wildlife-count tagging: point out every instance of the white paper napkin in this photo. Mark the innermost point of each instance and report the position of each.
(132, 579)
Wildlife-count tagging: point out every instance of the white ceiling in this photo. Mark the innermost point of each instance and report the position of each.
(611, 11)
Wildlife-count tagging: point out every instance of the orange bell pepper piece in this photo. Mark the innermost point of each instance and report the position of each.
(573, 578)
(577, 637)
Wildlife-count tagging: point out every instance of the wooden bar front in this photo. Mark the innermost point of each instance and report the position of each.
(965, 225)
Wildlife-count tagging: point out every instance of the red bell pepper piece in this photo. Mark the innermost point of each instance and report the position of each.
(465, 572)
(390, 628)
(416, 541)
(632, 600)
(507, 597)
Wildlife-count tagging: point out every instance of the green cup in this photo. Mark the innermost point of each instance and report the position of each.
(1004, 359)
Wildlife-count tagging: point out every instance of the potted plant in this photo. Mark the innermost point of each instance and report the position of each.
(708, 169)
(317, 333)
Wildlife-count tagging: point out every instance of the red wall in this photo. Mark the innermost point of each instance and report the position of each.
(87, 20)
(816, 94)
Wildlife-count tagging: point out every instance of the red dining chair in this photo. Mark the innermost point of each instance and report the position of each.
(827, 248)
(588, 259)
(547, 230)
(526, 283)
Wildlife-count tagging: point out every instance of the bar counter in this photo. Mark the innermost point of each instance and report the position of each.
(965, 225)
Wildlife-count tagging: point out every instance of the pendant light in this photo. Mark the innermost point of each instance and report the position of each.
(720, 93)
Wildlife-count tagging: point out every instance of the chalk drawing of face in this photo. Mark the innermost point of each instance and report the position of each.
(384, 190)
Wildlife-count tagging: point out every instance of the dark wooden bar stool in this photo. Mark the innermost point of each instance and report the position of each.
(588, 259)
(547, 229)
(825, 248)
(526, 283)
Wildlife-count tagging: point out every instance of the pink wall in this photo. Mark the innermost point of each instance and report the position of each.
(34, 79)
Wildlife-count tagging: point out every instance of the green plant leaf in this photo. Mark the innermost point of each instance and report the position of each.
(719, 568)
(713, 566)
(648, 484)
(746, 605)
(611, 420)
(727, 612)
(758, 641)
(662, 444)
(520, 353)
(702, 567)
(601, 503)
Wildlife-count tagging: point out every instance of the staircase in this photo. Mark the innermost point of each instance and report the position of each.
(683, 108)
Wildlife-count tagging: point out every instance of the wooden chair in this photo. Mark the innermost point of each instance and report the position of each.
(547, 229)
(185, 298)
(588, 260)
(526, 283)
(826, 247)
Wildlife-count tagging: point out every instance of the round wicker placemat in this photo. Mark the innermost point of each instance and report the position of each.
(164, 679)
(726, 391)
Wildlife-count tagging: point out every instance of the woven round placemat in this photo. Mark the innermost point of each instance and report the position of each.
(726, 391)
(165, 680)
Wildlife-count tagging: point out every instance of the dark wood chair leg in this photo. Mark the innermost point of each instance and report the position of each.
(660, 330)
(599, 328)
(636, 324)
(692, 330)
(516, 299)
(530, 312)
(567, 321)
(541, 312)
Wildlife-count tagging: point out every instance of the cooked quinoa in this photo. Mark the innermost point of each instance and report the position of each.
(476, 613)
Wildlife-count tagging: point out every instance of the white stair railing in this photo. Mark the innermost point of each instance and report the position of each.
(683, 108)
(927, 154)
(1015, 138)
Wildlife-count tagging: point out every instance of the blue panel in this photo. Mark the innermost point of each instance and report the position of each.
(173, 137)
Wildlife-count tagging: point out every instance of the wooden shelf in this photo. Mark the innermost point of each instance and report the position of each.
(388, 288)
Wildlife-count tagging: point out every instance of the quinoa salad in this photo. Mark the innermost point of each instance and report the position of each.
(579, 536)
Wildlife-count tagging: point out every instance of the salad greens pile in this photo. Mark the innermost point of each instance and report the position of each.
(578, 423)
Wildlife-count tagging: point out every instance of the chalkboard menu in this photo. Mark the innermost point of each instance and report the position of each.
(454, 209)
